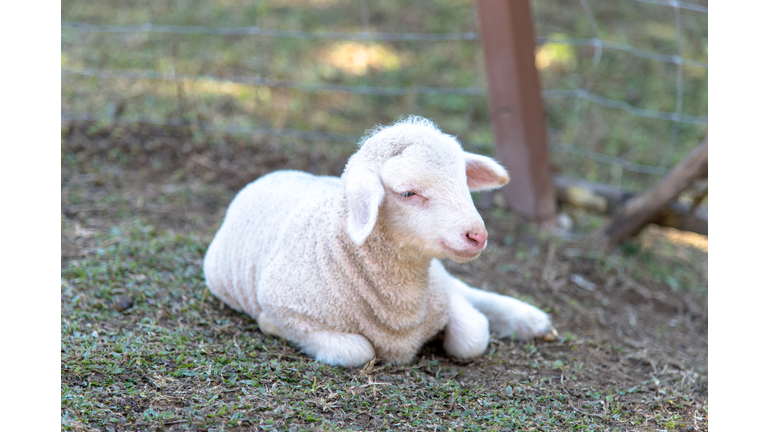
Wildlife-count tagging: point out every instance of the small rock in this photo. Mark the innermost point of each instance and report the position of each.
(580, 281)
(564, 222)
(123, 302)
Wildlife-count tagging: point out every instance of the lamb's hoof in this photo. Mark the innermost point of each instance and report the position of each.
(549, 337)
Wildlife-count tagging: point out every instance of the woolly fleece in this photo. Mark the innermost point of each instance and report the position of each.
(345, 290)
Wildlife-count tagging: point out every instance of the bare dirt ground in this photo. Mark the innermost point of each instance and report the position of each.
(633, 323)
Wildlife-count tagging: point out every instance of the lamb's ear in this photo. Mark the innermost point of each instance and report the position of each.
(484, 173)
(364, 193)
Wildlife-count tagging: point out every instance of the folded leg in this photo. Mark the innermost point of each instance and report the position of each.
(334, 348)
(506, 316)
(466, 333)
(509, 316)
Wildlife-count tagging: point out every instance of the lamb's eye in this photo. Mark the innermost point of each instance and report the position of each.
(407, 194)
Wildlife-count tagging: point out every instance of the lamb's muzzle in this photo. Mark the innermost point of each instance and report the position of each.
(347, 268)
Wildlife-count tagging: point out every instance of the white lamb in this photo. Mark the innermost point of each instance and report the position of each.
(347, 268)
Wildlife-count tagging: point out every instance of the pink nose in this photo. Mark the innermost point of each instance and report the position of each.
(477, 238)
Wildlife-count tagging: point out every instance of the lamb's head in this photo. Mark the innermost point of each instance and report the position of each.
(415, 182)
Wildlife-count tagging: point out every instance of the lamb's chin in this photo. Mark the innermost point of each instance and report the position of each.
(460, 256)
(463, 259)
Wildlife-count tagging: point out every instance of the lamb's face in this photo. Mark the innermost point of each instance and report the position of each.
(414, 182)
(427, 204)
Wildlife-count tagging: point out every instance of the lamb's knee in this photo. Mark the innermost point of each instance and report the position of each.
(268, 327)
(341, 349)
(466, 333)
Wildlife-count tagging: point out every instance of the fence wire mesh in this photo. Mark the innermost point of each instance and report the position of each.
(624, 82)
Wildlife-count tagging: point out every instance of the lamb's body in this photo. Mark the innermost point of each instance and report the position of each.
(287, 273)
(346, 267)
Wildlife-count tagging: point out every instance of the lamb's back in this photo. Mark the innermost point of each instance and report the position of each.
(264, 218)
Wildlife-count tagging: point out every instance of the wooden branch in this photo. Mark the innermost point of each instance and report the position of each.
(683, 217)
(598, 197)
(648, 206)
(603, 198)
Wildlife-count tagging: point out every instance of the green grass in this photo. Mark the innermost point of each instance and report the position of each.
(177, 357)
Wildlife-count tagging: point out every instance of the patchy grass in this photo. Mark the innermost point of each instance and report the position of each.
(146, 347)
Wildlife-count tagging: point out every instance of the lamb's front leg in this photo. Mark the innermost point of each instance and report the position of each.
(466, 333)
(508, 316)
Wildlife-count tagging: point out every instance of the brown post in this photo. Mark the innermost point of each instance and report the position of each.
(517, 111)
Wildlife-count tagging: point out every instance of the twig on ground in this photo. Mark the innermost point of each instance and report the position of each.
(584, 412)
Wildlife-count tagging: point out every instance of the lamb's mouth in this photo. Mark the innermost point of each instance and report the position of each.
(461, 254)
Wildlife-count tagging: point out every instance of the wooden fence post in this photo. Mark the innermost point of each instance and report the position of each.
(516, 108)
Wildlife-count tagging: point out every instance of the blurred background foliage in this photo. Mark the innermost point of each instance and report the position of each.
(575, 126)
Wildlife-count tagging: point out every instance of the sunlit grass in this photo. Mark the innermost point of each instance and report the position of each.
(358, 59)
(555, 55)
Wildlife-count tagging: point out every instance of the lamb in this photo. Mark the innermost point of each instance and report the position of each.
(348, 268)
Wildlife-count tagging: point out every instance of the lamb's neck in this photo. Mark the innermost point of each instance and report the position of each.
(398, 265)
(392, 279)
(393, 283)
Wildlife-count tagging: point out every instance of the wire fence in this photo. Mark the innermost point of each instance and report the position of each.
(365, 36)
(380, 91)
(584, 94)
